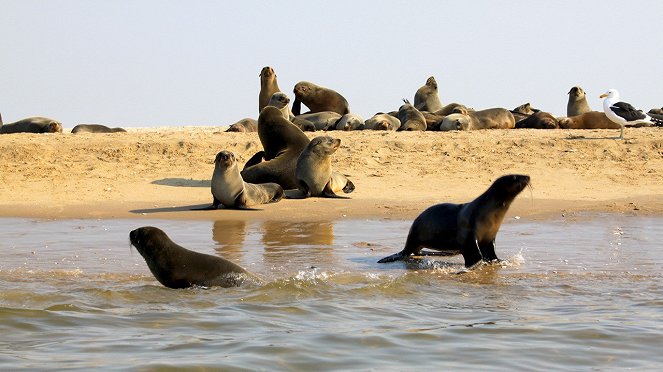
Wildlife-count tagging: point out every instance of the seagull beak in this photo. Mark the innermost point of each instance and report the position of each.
(603, 95)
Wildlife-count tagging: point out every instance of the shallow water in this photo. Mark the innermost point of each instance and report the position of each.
(575, 293)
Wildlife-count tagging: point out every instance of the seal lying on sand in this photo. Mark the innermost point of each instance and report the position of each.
(469, 229)
(322, 120)
(495, 118)
(35, 124)
(538, 120)
(177, 267)
(382, 121)
(95, 128)
(588, 120)
(245, 125)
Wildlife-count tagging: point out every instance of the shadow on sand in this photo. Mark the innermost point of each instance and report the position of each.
(182, 182)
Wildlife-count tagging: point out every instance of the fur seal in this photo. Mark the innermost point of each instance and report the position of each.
(588, 120)
(427, 98)
(268, 86)
(282, 142)
(577, 104)
(229, 189)
(433, 120)
(538, 120)
(469, 229)
(95, 128)
(522, 112)
(321, 120)
(318, 99)
(314, 172)
(350, 122)
(411, 118)
(453, 108)
(382, 121)
(495, 118)
(280, 100)
(177, 267)
(245, 125)
(34, 124)
(656, 111)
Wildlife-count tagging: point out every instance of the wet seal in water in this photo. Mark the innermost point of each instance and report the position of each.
(34, 124)
(469, 229)
(177, 267)
(95, 128)
(229, 189)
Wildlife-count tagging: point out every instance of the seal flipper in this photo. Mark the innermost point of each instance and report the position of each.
(488, 251)
(296, 107)
(394, 257)
(471, 252)
(214, 206)
(240, 202)
(255, 159)
(327, 192)
(302, 193)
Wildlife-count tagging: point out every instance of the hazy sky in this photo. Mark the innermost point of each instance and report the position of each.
(147, 63)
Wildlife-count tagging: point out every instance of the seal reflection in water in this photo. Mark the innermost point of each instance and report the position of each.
(468, 229)
(177, 267)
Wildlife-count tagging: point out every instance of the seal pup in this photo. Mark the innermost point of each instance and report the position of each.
(350, 122)
(538, 120)
(382, 121)
(469, 229)
(268, 86)
(495, 118)
(577, 104)
(588, 120)
(229, 189)
(321, 120)
(245, 125)
(280, 100)
(427, 98)
(95, 128)
(177, 267)
(314, 172)
(34, 124)
(318, 99)
(411, 118)
(282, 142)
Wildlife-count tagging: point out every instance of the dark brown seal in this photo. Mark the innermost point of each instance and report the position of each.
(588, 120)
(427, 98)
(32, 125)
(95, 128)
(177, 267)
(321, 120)
(469, 229)
(577, 104)
(314, 171)
(538, 120)
(522, 112)
(411, 118)
(268, 86)
(318, 99)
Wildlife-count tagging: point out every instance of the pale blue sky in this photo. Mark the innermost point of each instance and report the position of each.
(148, 63)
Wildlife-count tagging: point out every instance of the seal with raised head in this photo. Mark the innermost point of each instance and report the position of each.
(177, 267)
(469, 229)
(318, 99)
(95, 128)
(538, 120)
(314, 171)
(588, 120)
(34, 124)
(495, 118)
(427, 98)
(577, 104)
(268, 86)
(411, 118)
(280, 100)
(229, 189)
(382, 121)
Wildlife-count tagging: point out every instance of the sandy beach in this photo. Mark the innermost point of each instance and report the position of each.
(162, 172)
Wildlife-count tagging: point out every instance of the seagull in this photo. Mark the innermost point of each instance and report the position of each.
(624, 113)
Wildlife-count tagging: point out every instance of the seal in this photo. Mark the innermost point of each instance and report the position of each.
(411, 118)
(177, 267)
(588, 120)
(280, 100)
(522, 112)
(453, 108)
(382, 121)
(577, 104)
(427, 98)
(350, 122)
(229, 189)
(34, 124)
(655, 111)
(495, 118)
(282, 142)
(314, 172)
(318, 99)
(433, 120)
(321, 120)
(95, 128)
(469, 229)
(538, 120)
(245, 125)
(268, 86)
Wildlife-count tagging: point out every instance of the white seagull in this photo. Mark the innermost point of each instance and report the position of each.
(624, 113)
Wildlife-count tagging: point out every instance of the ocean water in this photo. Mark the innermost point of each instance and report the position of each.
(581, 292)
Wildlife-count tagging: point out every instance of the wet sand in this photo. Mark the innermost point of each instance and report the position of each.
(162, 172)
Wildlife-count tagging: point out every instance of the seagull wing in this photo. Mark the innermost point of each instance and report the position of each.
(627, 111)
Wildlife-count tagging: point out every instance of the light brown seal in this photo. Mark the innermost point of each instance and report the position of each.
(95, 128)
(318, 99)
(469, 229)
(577, 104)
(35, 124)
(177, 267)
(321, 120)
(427, 98)
(350, 122)
(411, 118)
(588, 120)
(229, 189)
(245, 125)
(314, 171)
(382, 121)
(268, 86)
(522, 112)
(495, 118)
(280, 100)
(538, 120)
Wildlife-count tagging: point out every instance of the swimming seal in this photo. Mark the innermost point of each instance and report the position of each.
(318, 99)
(577, 104)
(427, 98)
(95, 128)
(314, 172)
(34, 124)
(177, 267)
(469, 229)
(229, 189)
